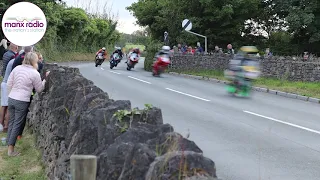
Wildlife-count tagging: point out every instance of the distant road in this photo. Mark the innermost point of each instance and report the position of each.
(265, 137)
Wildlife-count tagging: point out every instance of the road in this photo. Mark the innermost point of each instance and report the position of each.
(265, 137)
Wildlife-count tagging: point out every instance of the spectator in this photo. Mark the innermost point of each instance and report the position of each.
(20, 83)
(179, 48)
(268, 53)
(230, 50)
(217, 50)
(10, 54)
(189, 50)
(184, 49)
(305, 56)
(40, 68)
(4, 97)
(19, 59)
(199, 49)
(3, 47)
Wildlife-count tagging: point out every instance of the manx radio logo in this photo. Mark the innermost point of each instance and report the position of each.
(24, 24)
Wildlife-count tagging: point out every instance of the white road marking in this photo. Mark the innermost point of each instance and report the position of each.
(139, 79)
(114, 72)
(102, 68)
(187, 94)
(283, 122)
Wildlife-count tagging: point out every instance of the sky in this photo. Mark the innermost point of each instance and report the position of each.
(118, 8)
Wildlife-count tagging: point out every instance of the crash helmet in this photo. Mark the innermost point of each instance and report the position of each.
(165, 48)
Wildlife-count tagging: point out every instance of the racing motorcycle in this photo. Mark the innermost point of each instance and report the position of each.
(133, 60)
(241, 73)
(160, 65)
(99, 59)
(115, 60)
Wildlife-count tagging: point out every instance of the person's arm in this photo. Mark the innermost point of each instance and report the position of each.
(4, 43)
(37, 83)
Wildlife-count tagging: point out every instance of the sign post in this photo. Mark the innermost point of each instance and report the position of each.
(187, 26)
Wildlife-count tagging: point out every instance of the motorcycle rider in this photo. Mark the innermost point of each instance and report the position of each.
(119, 51)
(102, 51)
(165, 50)
(134, 50)
(238, 64)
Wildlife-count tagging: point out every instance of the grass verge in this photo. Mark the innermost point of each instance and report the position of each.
(27, 166)
(68, 57)
(310, 89)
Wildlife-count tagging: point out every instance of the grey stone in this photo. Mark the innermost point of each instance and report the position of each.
(272, 91)
(276, 67)
(80, 119)
(214, 80)
(280, 93)
(305, 98)
(315, 100)
(290, 95)
(263, 90)
(172, 161)
(256, 88)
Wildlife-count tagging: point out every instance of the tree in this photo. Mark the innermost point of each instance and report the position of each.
(221, 21)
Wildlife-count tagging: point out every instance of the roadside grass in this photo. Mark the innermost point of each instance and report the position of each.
(68, 57)
(310, 89)
(27, 166)
(130, 46)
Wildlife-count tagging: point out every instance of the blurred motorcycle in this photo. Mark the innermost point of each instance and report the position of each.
(242, 71)
(160, 65)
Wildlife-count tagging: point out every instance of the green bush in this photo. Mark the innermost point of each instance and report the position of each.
(73, 33)
(151, 49)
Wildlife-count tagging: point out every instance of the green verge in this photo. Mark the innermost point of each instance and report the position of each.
(310, 89)
(27, 166)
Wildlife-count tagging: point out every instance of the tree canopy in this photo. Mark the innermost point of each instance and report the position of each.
(73, 29)
(287, 27)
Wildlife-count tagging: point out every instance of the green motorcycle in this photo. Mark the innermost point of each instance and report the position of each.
(239, 89)
(243, 69)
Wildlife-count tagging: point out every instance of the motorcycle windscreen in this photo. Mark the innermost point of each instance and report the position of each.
(116, 56)
(134, 57)
(165, 59)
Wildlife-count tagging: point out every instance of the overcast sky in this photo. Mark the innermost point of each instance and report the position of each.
(126, 20)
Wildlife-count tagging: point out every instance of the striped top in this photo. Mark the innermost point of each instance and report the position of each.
(21, 82)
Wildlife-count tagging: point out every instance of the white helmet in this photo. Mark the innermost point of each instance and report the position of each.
(103, 48)
(165, 48)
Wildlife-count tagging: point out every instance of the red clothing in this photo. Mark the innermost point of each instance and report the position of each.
(159, 64)
(104, 55)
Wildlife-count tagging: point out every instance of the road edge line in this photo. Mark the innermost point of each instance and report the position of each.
(255, 88)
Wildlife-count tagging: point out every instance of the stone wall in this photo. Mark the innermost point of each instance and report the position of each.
(73, 116)
(277, 67)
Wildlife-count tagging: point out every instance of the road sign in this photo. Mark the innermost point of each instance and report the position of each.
(186, 25)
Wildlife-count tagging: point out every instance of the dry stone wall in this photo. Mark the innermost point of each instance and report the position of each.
(289, 68)
(73, 116)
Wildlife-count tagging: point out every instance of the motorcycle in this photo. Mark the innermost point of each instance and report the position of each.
(99, 59)
(114, 60)
(241, 73)
(133, 60)
(160, 65)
